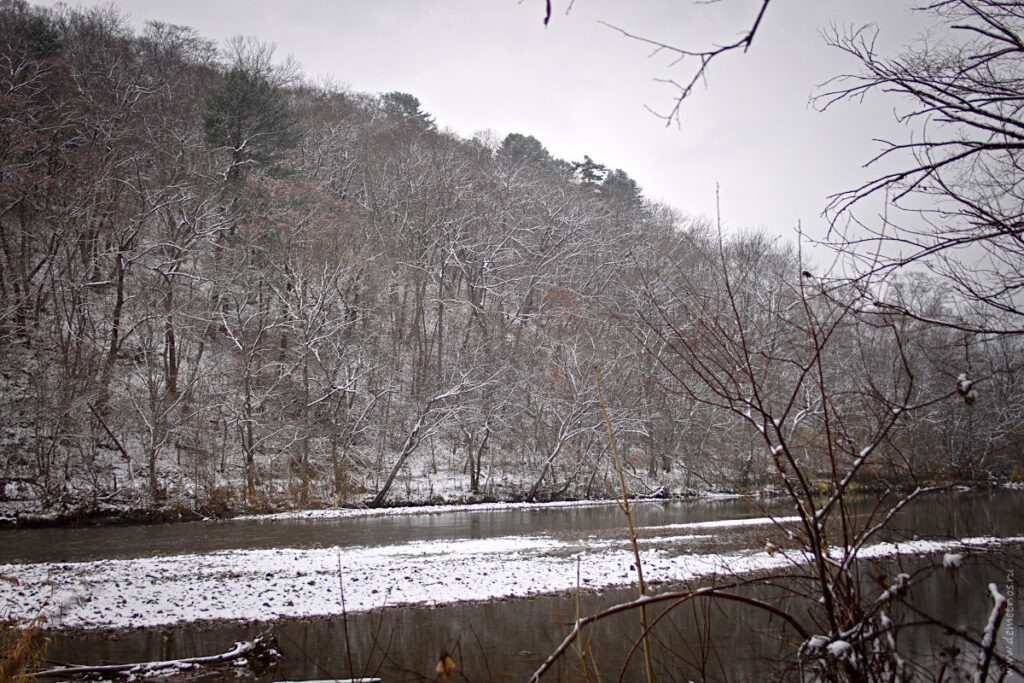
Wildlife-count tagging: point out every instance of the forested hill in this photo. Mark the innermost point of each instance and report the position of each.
(223, 287)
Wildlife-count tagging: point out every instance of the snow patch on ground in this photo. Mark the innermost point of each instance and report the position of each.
(952, 561)
(721, 523)
(269, 584)
(340, 513)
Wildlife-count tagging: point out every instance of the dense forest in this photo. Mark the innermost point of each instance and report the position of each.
(224, 287)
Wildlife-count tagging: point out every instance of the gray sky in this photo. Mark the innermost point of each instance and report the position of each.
(580, 87)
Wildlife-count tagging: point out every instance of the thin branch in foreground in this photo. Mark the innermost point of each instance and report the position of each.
(705, 57)
(678, 597)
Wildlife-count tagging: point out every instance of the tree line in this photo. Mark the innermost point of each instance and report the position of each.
(225, 287)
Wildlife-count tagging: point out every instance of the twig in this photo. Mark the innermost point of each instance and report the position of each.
(676, 596)
(632, 532)
(988, 641)
(704, 56)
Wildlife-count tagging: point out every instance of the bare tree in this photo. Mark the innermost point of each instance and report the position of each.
(782, 370)
(954, 198)
(434, 411)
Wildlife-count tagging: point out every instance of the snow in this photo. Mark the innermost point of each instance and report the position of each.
(926, 547)
(994, 617)
(952, 561)
(816, 643)
(268, 584)
(898, 587)
(840, 649)
(428, 509)
(727, 523)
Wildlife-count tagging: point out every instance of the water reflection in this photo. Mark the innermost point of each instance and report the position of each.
(93, 543)
(935, 515)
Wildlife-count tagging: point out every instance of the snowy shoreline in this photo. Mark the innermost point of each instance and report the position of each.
(20, 514)
(13, 517)
(402, 510)
(266, 585)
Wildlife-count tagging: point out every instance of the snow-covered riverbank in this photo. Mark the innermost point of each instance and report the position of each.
(269, 584)
(30, 513)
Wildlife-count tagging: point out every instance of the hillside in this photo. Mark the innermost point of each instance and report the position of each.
(224, 288)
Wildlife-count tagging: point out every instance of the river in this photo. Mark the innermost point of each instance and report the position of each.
(501, 634)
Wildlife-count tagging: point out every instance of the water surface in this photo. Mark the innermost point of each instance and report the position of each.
(507, 640)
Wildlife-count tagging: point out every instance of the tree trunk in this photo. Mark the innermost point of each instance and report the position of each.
(474, 481)
(115, 331)
(411, 441)
(543, 472)
(170, 344)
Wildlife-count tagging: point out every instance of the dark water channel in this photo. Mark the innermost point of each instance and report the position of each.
(507, 640)
(93, 543)
(937, 515)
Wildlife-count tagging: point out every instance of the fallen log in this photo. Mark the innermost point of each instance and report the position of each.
(262, 648)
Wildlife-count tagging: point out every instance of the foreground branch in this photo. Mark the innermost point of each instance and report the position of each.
(678, 597)
(262, 648)
(705, 57)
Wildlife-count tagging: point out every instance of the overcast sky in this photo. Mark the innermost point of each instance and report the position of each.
(581, 88)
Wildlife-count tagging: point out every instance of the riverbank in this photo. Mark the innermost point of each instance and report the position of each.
(17, 514)
(31, 514)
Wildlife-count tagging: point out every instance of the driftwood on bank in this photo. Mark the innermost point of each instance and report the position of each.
(263, 648)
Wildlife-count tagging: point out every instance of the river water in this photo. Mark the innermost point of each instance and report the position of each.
(508, 639)
(93, 543)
